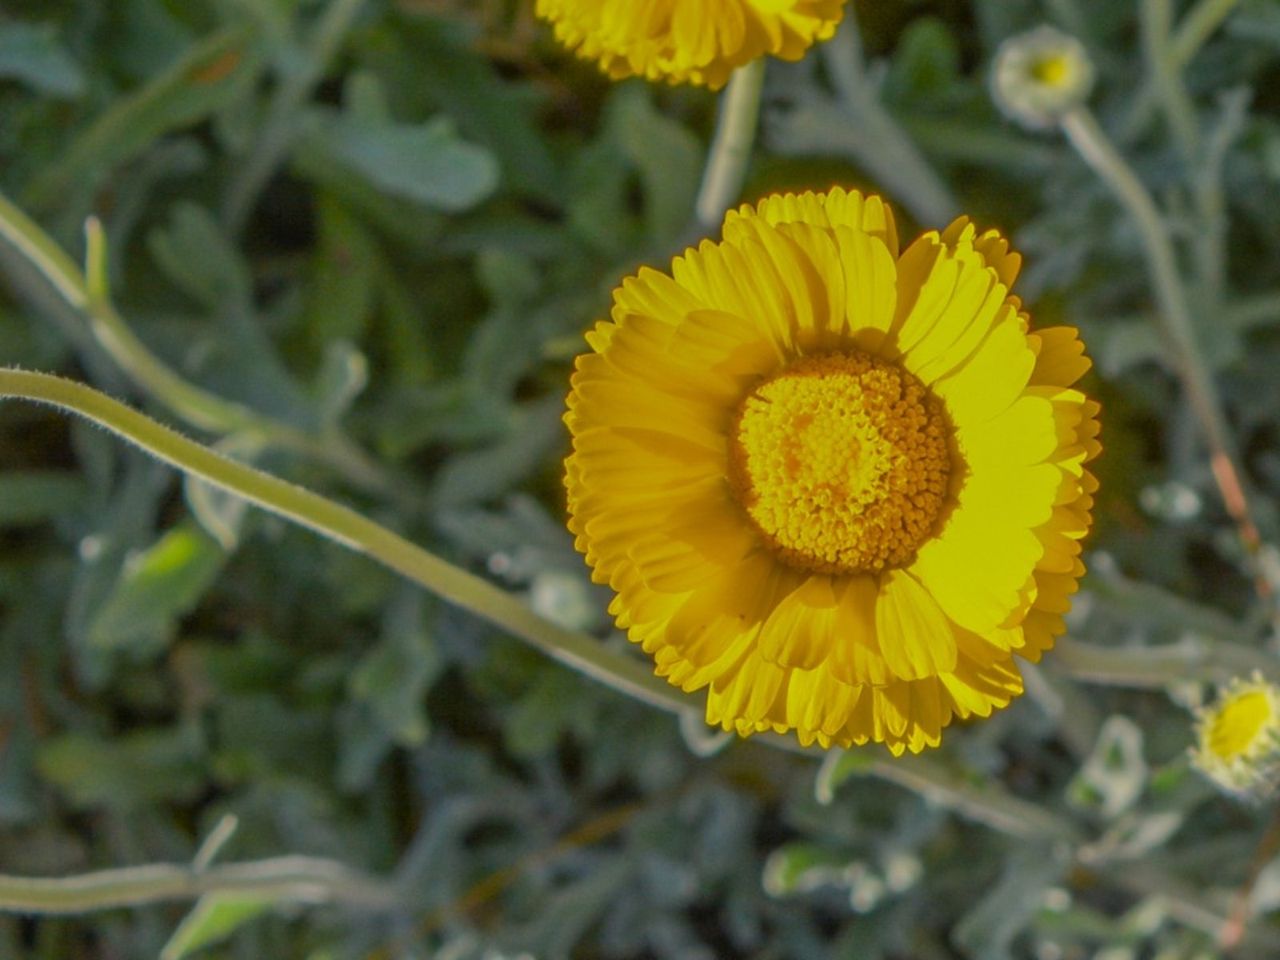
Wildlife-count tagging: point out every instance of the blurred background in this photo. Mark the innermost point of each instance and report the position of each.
(367, 236)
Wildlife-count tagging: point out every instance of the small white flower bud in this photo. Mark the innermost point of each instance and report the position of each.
(1040, 75)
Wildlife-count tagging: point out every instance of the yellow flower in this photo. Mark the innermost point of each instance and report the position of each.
(840, 486)
(689, 41)
(1239, 737)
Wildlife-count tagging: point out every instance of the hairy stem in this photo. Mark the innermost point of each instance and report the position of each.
(87, 295)
(352, 530)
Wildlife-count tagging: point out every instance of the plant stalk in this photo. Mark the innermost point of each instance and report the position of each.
(293, 879)
(1174, 317)
(735, 135)
(87, 295)
(352, 530)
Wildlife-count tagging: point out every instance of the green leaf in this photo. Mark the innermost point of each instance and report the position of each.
(553, 704)
(509, 279)
(484, 474)
(797, 868)
(927, 64)
(424, 163)
(124, 772)
(341, 296)
(32, 54)
(488, 110)
(393, 678)
(667, 157)
(157, 586)
(989, 929)
(837, 767)
(33, 496)
(1116, 773)
(344, 374)
(214, 917)
(212, 74)
(196, 255)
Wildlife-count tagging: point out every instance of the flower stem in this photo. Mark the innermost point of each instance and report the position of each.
(1197, 27)
(352, 530)
(1174, 316)
(984, 804)
(87, 295)
(1162, 664)
(735, 135)
(293, 879)
(582, 653)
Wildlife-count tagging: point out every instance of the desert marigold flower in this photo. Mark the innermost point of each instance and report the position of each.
(840, 486)
(1238, 738)
(689, 41)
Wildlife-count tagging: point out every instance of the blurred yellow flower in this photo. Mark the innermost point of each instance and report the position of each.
(689, 41)
(840, 486)
(1239, 737)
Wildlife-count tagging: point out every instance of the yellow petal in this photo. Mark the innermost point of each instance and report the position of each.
(915, 637)
(801, 630)
(855, 654)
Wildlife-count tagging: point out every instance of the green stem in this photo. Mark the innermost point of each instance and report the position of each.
(291, 879)
(1214, 661)
(580, 652)
(87, 295)
(985, 803)
(735, 135)
(345, 526)
(1174, 316)
(1197, 27)
(883, 148)
(980, 803)
(281, 124)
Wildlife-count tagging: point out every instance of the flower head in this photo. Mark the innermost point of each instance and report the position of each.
(839, 485)
(1040, 75)
(1238, 738)
(689, 41)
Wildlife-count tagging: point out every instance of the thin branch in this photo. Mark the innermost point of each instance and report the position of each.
(731, 149)
(292, 879)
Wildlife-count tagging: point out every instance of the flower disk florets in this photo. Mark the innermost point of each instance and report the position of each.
(841, 462)
(838, 485)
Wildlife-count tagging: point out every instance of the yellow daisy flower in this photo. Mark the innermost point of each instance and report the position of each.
(838, 485)
(689, 41)
(1238, 738)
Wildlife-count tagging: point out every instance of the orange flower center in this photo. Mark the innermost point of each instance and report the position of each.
(841, 462)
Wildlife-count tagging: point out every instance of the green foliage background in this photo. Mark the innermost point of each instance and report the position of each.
(390, 233)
